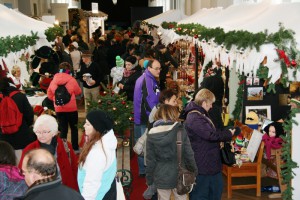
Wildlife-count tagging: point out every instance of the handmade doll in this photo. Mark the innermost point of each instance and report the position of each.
(117, 72)
(272, 138)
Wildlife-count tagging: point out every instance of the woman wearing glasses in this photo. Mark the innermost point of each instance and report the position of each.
(46, 129)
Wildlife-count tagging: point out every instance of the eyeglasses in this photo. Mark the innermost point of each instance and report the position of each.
(42, 132)
(157, 69)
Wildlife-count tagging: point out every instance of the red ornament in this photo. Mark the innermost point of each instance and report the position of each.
(171, 26)
(196, 36)
(123, 102)
(293, 63)
(179, 28)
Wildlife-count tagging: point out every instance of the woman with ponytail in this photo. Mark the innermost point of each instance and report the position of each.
(97, 161)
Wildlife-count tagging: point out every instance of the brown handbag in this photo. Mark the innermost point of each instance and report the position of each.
(186, 179)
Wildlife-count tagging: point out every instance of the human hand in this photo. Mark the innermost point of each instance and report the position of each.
(121, 86)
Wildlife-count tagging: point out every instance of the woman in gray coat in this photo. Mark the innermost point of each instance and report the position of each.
(162, 163)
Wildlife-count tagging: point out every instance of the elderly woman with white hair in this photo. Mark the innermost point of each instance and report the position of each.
(46, 130)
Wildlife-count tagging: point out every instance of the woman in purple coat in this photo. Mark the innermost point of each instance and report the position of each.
(205, 141)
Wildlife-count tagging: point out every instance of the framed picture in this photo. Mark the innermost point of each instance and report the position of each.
(255, 81)
(249, 81)
(263, 112)
(255, 93)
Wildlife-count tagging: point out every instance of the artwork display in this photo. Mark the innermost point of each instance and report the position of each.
(263, 112)
(255, 93)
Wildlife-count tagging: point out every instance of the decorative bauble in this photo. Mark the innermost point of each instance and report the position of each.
(100, 101)
(108, 102)
(123, 102)
(293, 63)
(114, 108)
(193, 30)
(179, 28)
(196, 36)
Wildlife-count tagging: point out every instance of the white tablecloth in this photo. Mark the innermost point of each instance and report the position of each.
(36, 100)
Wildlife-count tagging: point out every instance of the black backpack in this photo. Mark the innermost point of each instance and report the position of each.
(62, 95)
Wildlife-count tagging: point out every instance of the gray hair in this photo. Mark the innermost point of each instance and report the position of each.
(46, 120)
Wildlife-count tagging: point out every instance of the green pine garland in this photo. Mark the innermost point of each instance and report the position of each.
(239, 101)
(287, 168)
(16, 43)
(53, 32)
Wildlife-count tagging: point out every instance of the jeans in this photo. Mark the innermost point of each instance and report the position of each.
(208, 187)
(66, 119)
(139, 129)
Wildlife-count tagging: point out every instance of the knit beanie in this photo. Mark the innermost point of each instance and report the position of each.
(100, 121)
(119, 61)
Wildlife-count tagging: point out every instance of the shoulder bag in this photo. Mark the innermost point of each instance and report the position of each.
(186, 179)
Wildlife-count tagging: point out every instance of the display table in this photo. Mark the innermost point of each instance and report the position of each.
(36, 100)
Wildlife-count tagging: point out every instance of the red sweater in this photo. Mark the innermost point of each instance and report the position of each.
(68, 171)
(72, 87)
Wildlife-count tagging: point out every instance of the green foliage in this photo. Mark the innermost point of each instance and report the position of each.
(16, 43)
(239, 101)
(53, 32)
(287, 168)
(117, 107)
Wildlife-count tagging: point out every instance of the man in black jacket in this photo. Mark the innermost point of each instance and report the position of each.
(40, 171)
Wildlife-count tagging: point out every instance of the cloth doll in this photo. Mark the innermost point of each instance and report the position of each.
(272, 137)
(252, 120)
(117, 73)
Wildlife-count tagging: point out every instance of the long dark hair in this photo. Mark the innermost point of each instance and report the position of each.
(7, 154)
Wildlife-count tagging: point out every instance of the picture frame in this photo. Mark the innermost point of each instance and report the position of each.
(263, 112)
(249, 81)
(255, 93)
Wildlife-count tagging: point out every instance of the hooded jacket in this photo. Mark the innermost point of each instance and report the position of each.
(143, 103)
(161, 158)
(72, 87)
(205, 139)
(98, 172)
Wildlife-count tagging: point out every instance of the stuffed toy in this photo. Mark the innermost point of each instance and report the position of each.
(252, 120)
(272, 137)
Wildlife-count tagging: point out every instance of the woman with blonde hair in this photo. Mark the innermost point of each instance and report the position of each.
(97, 161)
(161, 158)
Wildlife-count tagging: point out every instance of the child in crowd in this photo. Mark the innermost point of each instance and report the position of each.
(117, 73)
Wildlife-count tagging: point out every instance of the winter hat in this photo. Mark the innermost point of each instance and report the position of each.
(75, 44)
(119, 61)
(100, 121)
(278, 128)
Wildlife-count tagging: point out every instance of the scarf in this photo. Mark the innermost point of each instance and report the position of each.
(128, 73)
(50, 147)
(271, 143)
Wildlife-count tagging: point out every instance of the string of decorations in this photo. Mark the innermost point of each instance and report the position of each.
(14, 44)
(287, 167)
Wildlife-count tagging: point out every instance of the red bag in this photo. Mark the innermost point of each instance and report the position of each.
(10, 115)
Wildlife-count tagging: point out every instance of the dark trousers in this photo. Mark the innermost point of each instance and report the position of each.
(112, 192)
(208, 187)
(66, 119)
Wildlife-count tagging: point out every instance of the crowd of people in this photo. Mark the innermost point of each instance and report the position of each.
(51, 167)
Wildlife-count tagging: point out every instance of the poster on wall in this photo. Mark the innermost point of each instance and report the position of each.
(94, 23)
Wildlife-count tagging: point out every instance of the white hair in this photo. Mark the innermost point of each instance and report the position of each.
(48, 121)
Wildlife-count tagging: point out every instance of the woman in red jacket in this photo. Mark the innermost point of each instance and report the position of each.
(46, 129)
(67, 114)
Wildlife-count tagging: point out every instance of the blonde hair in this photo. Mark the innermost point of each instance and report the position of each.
(167, 112)
(14, 69)
(204, 95)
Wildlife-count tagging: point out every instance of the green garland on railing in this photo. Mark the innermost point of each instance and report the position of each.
(287, 168)
(150, 26)
(239, 101)
(16, 43)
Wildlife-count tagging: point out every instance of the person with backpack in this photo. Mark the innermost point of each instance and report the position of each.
(16, 116)
(62, 91)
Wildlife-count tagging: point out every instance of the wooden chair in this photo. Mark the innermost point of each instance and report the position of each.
(248, 169)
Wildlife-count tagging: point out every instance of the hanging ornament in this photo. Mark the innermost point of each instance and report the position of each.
(193, 30)
(108, 102)
(179, 28)
(123, 102)
(131, 118)
(196, 36)
(100, 101)
(114, 108)
(293, 63)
